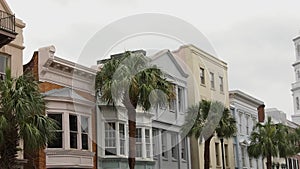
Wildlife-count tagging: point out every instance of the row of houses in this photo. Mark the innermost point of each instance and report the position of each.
(95, 135)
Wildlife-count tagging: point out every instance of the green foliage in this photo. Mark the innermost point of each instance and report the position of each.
(22, 116)
(132, 75)
(205, 118)
(271, 139)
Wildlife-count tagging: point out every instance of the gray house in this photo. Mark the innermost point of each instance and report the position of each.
(170, 149)
(158, 141)
(244, 109)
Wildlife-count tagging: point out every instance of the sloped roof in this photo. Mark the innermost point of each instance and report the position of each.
(66, 93)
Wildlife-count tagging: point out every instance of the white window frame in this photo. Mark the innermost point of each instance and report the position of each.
(110, 142)
(221, 83)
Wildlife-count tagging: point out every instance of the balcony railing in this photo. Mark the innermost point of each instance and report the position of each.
(7, 22)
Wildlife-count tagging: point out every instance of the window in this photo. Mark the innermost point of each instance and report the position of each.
(138, 142)
(250, 162)
(148, 143)
(240, 122)
(58, 142)
(110, 138)
(73, 131)
(3, 65)
(212, 80)
(172, 102)
(183, 149)
(257, 164)
(298, 50)
(221, 84)
(84, 133)
(122, 138)
(154, 141)
(243, 156)
(217, 154)
(202, 76)
(164, 144)
(180, 99)
(297, 103)
(298, 74)
(174, 145)
(226, 155)
(247, 125)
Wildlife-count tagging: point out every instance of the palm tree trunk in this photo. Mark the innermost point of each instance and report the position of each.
(132, 130)
(207, 152)
(269, 162)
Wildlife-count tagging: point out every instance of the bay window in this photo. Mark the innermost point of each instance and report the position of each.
(72, 129)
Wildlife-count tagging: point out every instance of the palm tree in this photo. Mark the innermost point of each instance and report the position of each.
(270, 140)
(206, 118)
(131, 80)
(21, 117)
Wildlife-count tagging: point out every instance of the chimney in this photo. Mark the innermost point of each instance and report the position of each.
(261, 113)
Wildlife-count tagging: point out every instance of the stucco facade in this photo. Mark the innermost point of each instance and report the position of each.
(69, 94)
(244, 109)
(207, 81)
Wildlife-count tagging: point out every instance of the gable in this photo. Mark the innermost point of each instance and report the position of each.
(168, 64)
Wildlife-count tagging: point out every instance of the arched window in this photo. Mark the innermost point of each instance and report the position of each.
(298, 74)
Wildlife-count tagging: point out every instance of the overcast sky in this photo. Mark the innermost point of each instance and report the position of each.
(253, 37)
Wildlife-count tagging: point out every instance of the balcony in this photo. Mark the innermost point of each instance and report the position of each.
(7, 28)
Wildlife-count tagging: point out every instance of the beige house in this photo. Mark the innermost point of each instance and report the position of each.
(11, 47)
(207, 81)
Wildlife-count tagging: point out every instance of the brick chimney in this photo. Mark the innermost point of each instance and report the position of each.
(261, 113)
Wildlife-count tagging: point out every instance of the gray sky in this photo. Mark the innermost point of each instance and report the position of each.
(253, 37)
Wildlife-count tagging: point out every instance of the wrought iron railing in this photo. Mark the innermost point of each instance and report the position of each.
(7, 21)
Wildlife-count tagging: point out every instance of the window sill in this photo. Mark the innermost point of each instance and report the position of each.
(203, 85)
(165, 159)
(174, 159)
(183, 160)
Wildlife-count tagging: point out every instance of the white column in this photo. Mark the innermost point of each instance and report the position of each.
(66, 131)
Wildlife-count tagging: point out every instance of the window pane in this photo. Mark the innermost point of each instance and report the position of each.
(73, 140)
(174, 145)
(73, 123)
(164, 144)
(57, 143)
(110, 138)
(138, 137)
(3, 64)
(57, 118)
(183, 149)
(122, 138)
(84, 140)
(84, 124)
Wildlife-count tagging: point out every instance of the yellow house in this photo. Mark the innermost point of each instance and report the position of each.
(207, 81)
